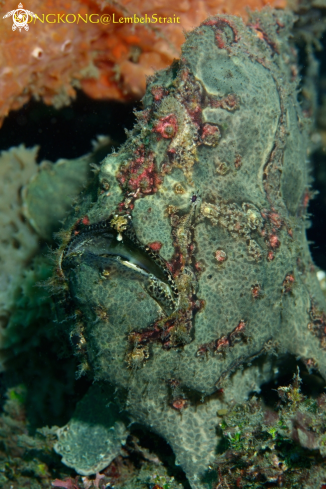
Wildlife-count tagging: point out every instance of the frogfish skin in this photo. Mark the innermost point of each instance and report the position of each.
(187, 257)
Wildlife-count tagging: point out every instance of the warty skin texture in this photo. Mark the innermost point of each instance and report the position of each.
(212, 184)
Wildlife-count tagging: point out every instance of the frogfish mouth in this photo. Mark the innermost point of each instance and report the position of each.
(103, 244)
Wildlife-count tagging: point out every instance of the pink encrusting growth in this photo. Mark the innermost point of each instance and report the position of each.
(256, 291)
(179, 403)
(221, 344)
(220, 256)
(155, 246)
(167, 126)
(67, 483)
(158, 93)
(210, 134)
(274, 241)
(219, 26)
(229, 102)
(288, 283)
(271, 230)
(140, 175)
(85, 220)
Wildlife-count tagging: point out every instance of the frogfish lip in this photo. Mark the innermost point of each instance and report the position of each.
(100, 244)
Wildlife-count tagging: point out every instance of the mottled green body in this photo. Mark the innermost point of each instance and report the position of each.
(215, 174)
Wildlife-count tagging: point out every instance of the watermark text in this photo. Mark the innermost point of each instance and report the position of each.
(102, 19)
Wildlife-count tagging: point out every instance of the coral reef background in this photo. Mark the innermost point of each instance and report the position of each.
(105, 61)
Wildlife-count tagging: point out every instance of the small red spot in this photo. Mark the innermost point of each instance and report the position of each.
(241, 326)
(210, 22)
(230, 102)
(158, 93)
(76, 232)
(202, 350)
(85, 220)
(274, 241)
(310, 362)
(306, 199)
(256, 291)
(208, 129)
(155, 246)
(238, 161)
(184, 74)
(210, 134)
(167, 126)
(222, 343)
(179, 403)
(288, 283)
(220, 24)
(276, 219)
(219, 40)
(270, 256)
(220, 256)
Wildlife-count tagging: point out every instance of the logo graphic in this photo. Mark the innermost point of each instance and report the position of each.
(20, 18)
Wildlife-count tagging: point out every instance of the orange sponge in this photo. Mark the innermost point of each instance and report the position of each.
(61, 51)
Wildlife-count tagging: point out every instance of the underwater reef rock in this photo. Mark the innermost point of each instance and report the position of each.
(24, 459)
(26, 188)
(187, 257)
(277, 447)
(18, 242)
(52, 188)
